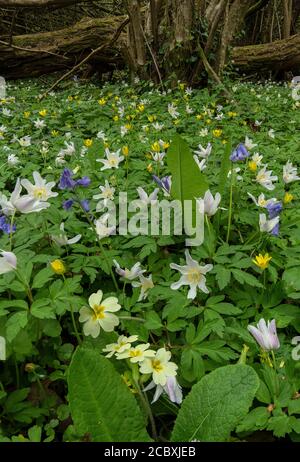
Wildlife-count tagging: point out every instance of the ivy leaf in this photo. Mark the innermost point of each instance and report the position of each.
(216, 404)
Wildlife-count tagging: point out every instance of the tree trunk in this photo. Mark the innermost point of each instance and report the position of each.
(281, 55)
(38, 3)
(37, 54)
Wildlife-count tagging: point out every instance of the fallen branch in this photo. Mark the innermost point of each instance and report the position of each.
(31, 50)
(88, 57)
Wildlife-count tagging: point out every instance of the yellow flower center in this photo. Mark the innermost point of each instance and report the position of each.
(194, 276)
(40, 193)
(135, 353)
(99, 312)
(157, 366)
(113, 162)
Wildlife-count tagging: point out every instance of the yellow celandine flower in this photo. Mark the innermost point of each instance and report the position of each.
(166, 146)
(217, 132)
(288, 197)
(76, 97)
(125, 151)
(181, 86)
(148, 156)
(252, 166)
(117, 98)
(208, 121)
(70, 98)
(88, 143)
(176, 122)
(128, 126)
(54, 133)
(116, 118)
(1, 134)
(152, 118)
(198, 116)
(262, 261)
(150, 168)
(110, 95)
(26, 114)
(232, 114)
(128, 117)
(43, 112)
(58, 266)
(102, 101)
(224, 141)
(155, 147)
(141, 108)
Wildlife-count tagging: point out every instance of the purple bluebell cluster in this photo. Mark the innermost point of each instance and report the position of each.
(274, 210)
(164, 183)
(67, 182)
(5, 226)
(240, 153)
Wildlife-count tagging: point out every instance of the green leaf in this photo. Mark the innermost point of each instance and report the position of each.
(243, 277)
(100, 402)
(187, 180)
(216, 404)
(256, 420)
(15, 323)
(41, 278)
(223, 276)
(224, 170)
(226, 308)
(35, 434)
(42, 309)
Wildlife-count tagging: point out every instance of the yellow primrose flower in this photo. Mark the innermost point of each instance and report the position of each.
(88, 143)
(217, 132)
(288, 197)
(155, 147)
(198, 116)
(26, 114)
(262, 261)
(54, 133)
(128, 126)
(252, 166)
(58, 266)
(43, 112)
(150, 168)
(141, 108)
(116, 118)
(102, 101)
(125, 151)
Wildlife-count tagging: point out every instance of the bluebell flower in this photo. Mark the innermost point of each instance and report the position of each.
(274, 210)
(5, 226)
(85, 205)
(66, 181)
(85, 182)
(240, 153)
(68, 204)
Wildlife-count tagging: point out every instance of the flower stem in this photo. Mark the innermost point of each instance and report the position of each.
(130, 318)
(75, 326)
(11, 231)
(147, 407)
(230, 206)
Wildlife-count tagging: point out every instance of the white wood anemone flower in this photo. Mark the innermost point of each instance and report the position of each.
(40, 190)
(193, 275)
(99, 315)
(8, 262)
(62, 239)
(145, 284)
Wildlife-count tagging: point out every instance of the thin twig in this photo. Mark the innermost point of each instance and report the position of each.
(211, 72)
(105, 45)
(153, 57)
